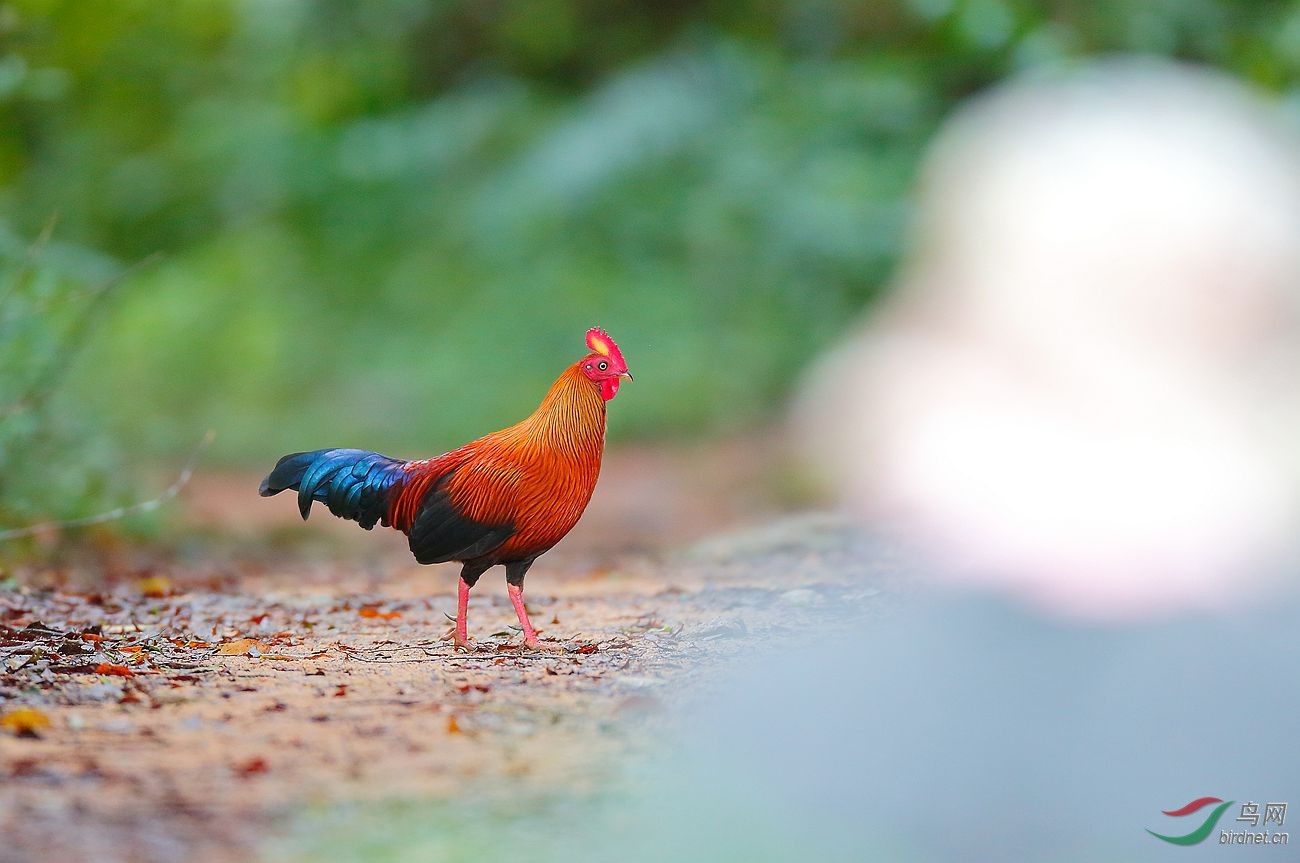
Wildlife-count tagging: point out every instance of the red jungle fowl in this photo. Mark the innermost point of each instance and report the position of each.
(506, 498)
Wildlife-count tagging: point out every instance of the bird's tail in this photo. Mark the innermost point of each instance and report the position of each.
(353, 483)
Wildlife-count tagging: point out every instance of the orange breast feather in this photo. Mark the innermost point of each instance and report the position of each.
(537, 475)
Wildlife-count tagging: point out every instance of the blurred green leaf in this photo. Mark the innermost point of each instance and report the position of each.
(388, 224)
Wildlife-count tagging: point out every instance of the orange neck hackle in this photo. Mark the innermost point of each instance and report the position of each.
(571, 417)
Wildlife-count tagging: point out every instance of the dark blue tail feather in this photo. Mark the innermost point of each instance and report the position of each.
(353, 483)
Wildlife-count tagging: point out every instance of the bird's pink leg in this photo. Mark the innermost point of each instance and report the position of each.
(530, 635)
(462, 639)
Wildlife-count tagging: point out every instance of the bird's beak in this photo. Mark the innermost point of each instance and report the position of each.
(627, 375)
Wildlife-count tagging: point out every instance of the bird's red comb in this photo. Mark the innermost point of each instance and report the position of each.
(600, 342)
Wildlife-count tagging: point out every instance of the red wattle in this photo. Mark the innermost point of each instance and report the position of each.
(608, 388)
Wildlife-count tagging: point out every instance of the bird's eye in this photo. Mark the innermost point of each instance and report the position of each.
(604, 366)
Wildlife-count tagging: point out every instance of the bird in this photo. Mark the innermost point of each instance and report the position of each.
(505, 498)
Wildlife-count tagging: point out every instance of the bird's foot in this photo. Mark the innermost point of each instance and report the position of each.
(466, 644)
(535, 643)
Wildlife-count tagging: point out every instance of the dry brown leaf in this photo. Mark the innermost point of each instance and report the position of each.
(252, 766)
(114, 670)
(453, 727)
(242, 647)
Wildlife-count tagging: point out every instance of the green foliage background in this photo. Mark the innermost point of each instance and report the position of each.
(387, 224)
(54, 459)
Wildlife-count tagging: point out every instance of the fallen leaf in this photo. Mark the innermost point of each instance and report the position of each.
(586, 648)
(252, 766)
(342, 691)
(24, 767)
(382, 615)
(453, 727)
(25, 722)
(155, 586)
(242, 647)
(114, 670)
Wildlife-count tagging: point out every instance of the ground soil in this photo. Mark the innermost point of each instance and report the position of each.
(190, 705)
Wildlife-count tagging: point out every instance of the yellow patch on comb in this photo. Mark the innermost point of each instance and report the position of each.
(600, 342)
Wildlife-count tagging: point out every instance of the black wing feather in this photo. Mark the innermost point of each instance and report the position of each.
(440, 533)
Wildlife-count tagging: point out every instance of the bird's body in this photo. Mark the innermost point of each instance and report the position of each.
(505, 498)
(535, 476)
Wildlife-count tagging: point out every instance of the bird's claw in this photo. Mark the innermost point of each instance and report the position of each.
(468, 645)
(535, 643)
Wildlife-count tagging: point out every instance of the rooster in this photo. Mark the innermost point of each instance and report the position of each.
(506, 498)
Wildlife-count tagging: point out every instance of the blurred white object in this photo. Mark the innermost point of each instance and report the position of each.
(1085, 385)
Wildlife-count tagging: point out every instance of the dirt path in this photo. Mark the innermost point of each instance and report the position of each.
(197, 725)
